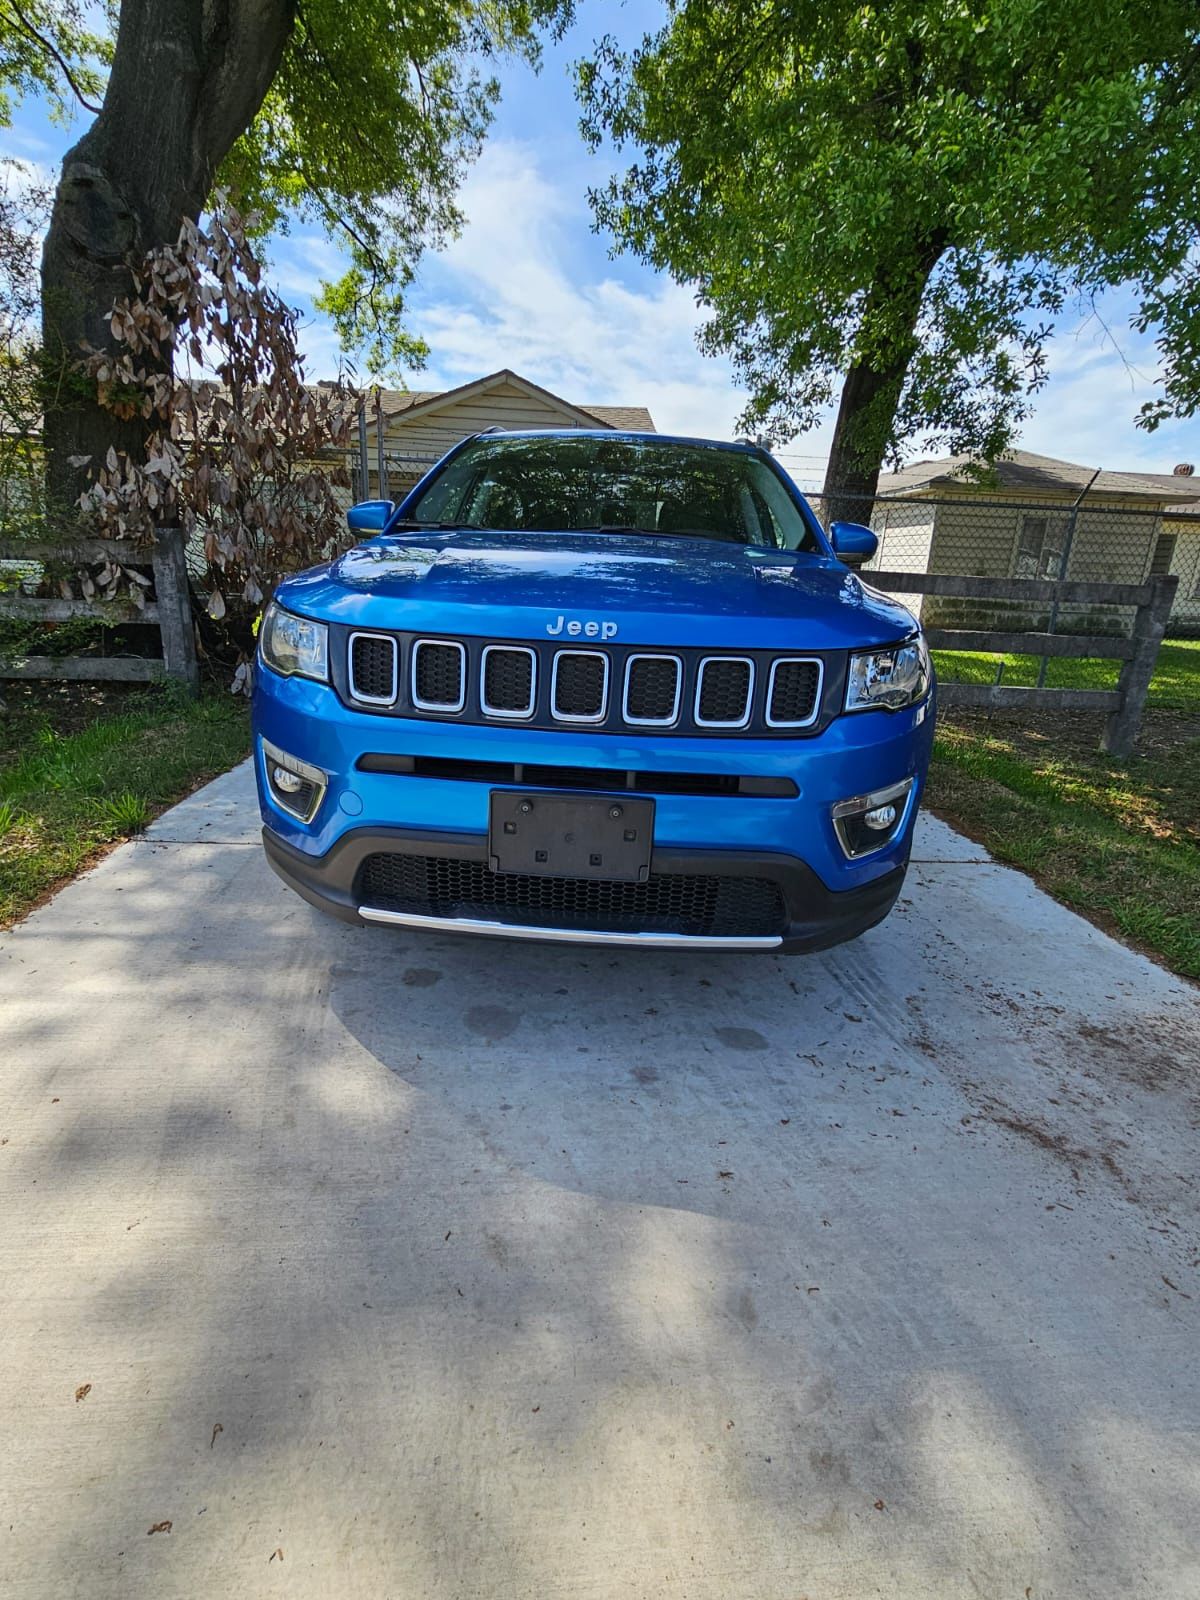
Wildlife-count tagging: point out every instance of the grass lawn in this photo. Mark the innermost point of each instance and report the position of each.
(1176, 685)
(1118, 841)
(83, 765)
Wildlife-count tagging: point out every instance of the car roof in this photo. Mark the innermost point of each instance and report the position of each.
(741, 445)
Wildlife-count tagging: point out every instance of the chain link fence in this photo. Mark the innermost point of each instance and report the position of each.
(987, 536)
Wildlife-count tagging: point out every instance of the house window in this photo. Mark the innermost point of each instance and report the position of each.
(1164, 554)
(1040, 543)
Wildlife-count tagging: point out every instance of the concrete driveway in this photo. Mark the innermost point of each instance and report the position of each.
(343, 1263)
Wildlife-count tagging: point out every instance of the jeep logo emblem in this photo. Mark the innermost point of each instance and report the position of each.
(573, 627)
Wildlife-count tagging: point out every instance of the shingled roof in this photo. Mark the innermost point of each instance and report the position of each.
(396, 402)
(1023, 472)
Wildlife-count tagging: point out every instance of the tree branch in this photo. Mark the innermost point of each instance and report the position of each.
(24, 22)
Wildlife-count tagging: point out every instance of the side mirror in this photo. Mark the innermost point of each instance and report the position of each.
(852, 543)
(370, 516)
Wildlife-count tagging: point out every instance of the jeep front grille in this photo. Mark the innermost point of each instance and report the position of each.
(609, 689)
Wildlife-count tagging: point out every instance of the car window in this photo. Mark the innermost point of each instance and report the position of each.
(551, 482)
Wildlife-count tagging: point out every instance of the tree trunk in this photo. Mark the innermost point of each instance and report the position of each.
(873, 386)
(188, 77)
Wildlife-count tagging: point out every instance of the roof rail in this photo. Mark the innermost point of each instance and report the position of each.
(495, 428)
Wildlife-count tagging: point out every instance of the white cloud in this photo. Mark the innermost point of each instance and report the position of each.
(516, 290)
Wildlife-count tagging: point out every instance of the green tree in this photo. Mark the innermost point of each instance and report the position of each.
(361, 114)
(893, 202)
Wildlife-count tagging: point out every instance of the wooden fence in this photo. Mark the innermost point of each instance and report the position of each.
(1137, 652)
(170, 610)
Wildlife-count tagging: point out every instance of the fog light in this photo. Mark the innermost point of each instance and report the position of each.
(289, 782)
(871, 821)
(296, 786)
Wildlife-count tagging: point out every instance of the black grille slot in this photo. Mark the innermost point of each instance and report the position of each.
(580, 681)
(794, 689)
(724, 696)
(508, 681)
(373, 668)
(438, 674)
(695, 904)
(652, 689)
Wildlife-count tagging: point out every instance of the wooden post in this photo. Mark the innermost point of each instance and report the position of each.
(1149, 626)
(175, 609)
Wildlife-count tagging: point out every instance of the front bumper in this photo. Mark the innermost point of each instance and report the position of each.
(788, 838)
(813, 917)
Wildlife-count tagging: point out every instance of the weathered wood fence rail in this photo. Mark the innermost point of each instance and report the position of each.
(170, 611)
(1137, 653)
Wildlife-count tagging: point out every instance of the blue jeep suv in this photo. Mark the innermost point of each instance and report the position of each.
(596, 687)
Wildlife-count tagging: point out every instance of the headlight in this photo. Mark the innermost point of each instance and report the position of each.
(294, 645)
(889, 679)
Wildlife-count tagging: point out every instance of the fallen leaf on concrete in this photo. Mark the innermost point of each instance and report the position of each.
(814, 1288)
(159, 1527)
(724, 1174)
(82, 1392)
(276, 1555)
(784, 1121)
(217, 1428)
(536, 1409)
(54, 1102)
(879, 1506)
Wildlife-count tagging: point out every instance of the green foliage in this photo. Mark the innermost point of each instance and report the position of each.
(374, 115)
(375, 112)
(911, 186)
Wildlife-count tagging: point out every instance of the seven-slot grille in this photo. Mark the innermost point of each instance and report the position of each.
(373, 659)
(544, 685)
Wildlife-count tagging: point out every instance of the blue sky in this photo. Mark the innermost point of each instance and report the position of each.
(528, 285)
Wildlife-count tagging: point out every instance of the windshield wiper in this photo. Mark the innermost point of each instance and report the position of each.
(443, 527)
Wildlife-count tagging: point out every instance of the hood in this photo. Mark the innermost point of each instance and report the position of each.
(637, 590)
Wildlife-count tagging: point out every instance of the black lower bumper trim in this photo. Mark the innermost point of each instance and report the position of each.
(814, 917)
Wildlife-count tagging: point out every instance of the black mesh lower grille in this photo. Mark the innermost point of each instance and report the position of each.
(794, 691)
(373, 667)
(438, 674)
(579, 684)
(652, 689)
(725, 691)
(508, 681)
(695, 904)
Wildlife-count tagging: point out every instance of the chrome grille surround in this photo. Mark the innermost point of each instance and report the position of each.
(386, 641)
(574, 716)
(706, 666)
(788, 661)
(509, 713)
(652, 722)
(444, 706)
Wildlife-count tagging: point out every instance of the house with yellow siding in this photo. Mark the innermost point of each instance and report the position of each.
(419, 426)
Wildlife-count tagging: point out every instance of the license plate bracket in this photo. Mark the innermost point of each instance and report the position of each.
(571, 836)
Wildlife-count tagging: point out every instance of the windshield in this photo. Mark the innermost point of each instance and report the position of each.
(587, 484)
